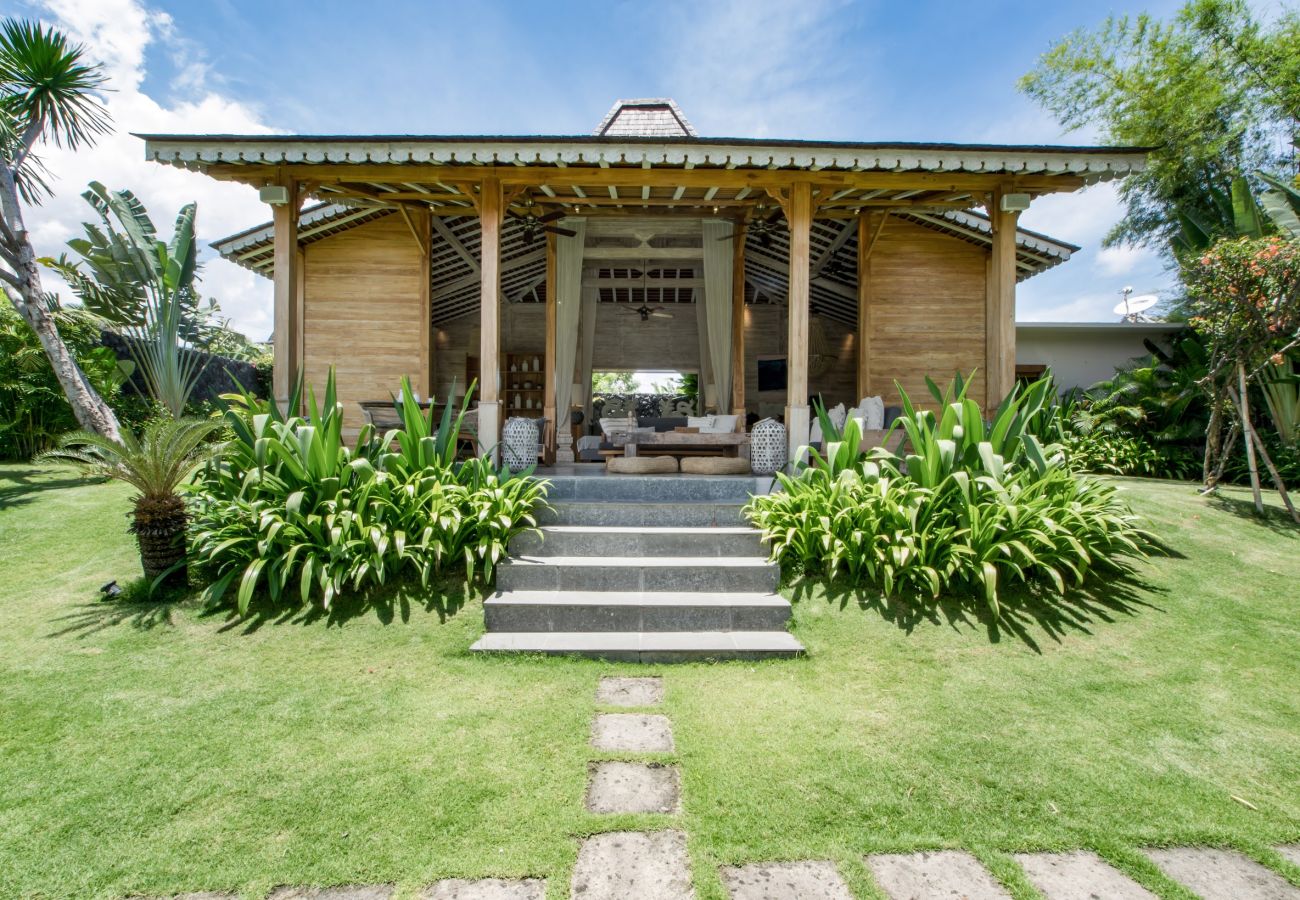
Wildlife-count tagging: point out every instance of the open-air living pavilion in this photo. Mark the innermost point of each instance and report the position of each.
(436, 257)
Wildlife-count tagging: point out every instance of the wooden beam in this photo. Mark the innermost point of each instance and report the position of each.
(288, 323)
(836, 243)
(464, 281)
(1000, 320)
(637, 176)
(491, 208)
(549, 440)
(455, 243)
(799, 213)
(418, 232)
(738, 329)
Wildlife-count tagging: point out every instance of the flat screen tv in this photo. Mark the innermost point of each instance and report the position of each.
(771, 373)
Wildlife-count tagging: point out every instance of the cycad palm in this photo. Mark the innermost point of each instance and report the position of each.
(155, 463)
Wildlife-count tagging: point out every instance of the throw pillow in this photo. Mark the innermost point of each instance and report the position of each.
(720, 425)
(704, 423)
(872, 413)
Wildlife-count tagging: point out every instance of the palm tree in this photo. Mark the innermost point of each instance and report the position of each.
(47, 94)
(155, 463)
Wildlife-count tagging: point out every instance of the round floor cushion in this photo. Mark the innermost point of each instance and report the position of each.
(715, 465)
(641, 465)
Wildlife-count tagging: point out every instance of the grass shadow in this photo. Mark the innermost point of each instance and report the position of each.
(388, 603)
(18, 487)
(1027, 615)
(135, 607)
(1275, 518)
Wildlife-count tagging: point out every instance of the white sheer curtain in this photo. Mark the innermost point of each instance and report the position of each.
(568, 299)
(590, 297)
(717, 300)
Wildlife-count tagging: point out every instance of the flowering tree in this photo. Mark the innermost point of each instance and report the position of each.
(1245, 301)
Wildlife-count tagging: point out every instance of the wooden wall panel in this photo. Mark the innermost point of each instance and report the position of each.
(363, 312)
(927, 314)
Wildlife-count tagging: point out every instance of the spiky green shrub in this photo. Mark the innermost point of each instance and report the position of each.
(289, 508)
(972, 507)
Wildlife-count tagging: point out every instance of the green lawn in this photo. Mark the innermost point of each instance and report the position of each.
(154, 750)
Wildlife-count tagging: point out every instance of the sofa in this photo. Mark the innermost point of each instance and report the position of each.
(589, 448)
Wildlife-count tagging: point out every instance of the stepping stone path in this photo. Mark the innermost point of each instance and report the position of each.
(623, 787)
(943, 873)
(632, 733)
(1081, 875)
(622, 865)
(617, 865)
(654, 865)
(487, 889)
(786, 881)
(1222, 874)
(350, 892)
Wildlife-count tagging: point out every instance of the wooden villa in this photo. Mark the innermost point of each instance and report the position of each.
(437, 257)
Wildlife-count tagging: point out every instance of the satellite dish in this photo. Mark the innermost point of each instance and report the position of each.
(1131, 308)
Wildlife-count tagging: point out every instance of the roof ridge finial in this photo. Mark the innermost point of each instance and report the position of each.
(645, 117)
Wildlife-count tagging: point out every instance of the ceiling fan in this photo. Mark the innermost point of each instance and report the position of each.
(762, 227)
(535, 223)
(644, 310)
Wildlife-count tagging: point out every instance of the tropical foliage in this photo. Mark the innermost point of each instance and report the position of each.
(288, 507)
(143, 286)
(971, 507)
(33, 409)
(154, 463)
(48, 93)
(1213, 91)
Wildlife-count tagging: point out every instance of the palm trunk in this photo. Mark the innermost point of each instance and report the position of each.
(159, 528)
(28, 297)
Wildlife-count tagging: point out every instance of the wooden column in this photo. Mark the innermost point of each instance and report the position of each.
(554, 427)
(490, 212)
(798, 214)
(424, 237)
(866, 232)
(287, 311)
(1000, 319)
(737, 329)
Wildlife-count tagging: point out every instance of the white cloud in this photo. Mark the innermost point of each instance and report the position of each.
(121, 34)
(1085, 288)
(758, 68)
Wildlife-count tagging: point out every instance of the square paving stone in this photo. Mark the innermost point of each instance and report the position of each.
(938, 874)
(1222, 874)
(346, 892)
(1291, 853)
(615, 691)
(1079, 876)
(623, 787)
(809, 880)
(487, 889)
(632, 732)
(622, 865)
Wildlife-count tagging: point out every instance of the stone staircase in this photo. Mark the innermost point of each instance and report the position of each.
(653, 568)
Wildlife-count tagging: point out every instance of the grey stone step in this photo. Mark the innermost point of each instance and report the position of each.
(657, 488)
(622, 865)
(647, 646)
(708, 574)
(634, 611)
(618, 541)
(1216, 874)
(688, 514)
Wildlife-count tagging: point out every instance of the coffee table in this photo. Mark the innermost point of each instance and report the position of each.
(680, 443)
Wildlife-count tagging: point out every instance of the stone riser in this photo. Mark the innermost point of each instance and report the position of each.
(648, 647)
(627, 614)
(613, 542)
(694, 575)
(622, 514)
(657, 488)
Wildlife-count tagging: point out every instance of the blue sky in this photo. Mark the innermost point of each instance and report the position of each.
(753, 68)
